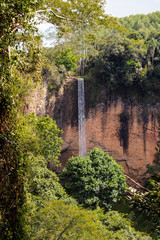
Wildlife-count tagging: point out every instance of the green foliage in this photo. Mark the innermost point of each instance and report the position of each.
(30, 144)
(48, 133)
(20, 64)
(40, 136)
(148, 204)
(27, 187)
(53, 75)
(119, 61)
(95, 180)
(119, 227)
(40, 141)
(42, 183)
(143, 207)
(12, 195)
(67, 59)
(50, 217)
(60, 221)
(126, 62)
(142, 24)
(14, 85)
(154, 172)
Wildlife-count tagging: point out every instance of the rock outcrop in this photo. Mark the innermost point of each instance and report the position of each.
(37, 100)
(125, 129)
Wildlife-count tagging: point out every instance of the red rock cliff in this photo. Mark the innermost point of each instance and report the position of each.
(123, 129)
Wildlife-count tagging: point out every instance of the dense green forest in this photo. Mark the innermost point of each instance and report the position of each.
(124, 58)
(89, 198)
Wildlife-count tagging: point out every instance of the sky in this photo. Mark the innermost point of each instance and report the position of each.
(122, 8)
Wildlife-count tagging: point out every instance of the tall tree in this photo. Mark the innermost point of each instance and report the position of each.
(17, 39)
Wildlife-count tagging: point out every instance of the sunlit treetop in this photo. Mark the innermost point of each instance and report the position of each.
(17, 14)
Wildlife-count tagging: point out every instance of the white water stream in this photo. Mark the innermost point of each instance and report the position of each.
(81, 118)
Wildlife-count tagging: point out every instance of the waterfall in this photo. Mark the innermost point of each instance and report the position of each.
(81, 118)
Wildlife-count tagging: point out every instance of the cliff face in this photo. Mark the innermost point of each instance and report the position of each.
(120, 131)
(125, 129)
(122, 128)
(37, 100)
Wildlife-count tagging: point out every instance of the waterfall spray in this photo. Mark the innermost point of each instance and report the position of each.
(81, 118)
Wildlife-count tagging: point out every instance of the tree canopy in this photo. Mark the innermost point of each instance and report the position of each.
(33, 204)
(95, 180)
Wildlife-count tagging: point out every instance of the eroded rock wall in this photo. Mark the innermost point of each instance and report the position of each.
(37, 100)
(123, 129)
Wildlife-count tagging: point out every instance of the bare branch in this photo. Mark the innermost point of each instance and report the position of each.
(58, 16)
(137, 183)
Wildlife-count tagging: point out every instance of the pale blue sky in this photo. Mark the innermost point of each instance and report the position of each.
(122, 8)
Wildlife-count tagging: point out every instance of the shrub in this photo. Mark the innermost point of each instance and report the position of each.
(67, 59)
(94, 180)
(60, 221)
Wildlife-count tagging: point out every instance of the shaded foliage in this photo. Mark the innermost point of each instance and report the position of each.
(128, 62)
(148, 205)
(119, 227)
